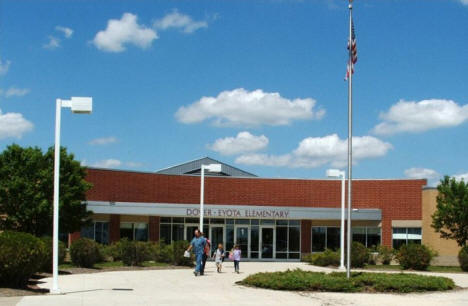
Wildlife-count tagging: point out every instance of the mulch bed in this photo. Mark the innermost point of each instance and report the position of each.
(33, 288)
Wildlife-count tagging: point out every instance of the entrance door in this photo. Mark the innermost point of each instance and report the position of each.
(190, 231)
(267, 242)
(242, 239)
(217, 237)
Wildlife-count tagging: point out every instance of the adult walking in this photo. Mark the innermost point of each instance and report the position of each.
(206, 254)
(198, 245)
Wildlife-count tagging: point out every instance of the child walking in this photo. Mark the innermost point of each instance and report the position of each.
(236, 255)
(218, 256)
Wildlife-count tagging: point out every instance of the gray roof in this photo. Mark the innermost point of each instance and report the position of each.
(194, 168)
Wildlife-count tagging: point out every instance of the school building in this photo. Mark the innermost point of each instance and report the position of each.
(271, 219)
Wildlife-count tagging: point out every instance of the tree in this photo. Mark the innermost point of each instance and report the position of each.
(451, 216)
(26, 191)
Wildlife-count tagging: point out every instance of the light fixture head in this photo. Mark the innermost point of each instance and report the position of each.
(81, 105)
(213, 167)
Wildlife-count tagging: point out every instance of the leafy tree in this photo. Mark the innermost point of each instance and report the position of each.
(451, 216)
(26, 191)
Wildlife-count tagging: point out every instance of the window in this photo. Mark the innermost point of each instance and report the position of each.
(165, 233)
(134, 231)
(325, 238)
(405, 235)
(98, 231)
(368, 236)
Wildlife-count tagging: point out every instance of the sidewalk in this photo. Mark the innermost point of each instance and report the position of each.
(181, 287)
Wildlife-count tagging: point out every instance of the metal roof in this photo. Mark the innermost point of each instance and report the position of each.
(194, 168)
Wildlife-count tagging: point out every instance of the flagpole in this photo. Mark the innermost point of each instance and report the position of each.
(350, 140)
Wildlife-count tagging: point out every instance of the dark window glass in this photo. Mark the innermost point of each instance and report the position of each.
(165, 220)
(242, 221)
(253, 254)
(414, 230)
(254, 221)
(87, 231)
(229, 221)
(102, 232)
(206, 231)
(281, 239)
(281, 255)
(126, 230)
(281, 222)
(177, 232)
(294, 222)
(229, 237)
(415, 241)
(318, 239)
(254, 239)
(333, 238)
(193, 220)
(190, 232)
(359, 234)
(178, 220)
(294, 239)
(267, 222)
(141, 231)
(397, 243)
(217, 221)
(399, 230)
(165, 233)
(294, 255)
(373, 237)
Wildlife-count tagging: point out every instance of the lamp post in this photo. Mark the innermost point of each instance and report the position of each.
(78, 105)
(340, 174)
(211, 168)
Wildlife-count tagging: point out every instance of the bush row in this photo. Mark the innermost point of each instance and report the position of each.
(411, 256)
(85, 252)
(337, 282)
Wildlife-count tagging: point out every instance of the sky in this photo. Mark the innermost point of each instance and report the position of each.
(255, 84)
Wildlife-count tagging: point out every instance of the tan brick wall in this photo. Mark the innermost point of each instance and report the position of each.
(447, 249)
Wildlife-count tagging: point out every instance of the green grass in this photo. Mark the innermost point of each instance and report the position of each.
(114, 264)
(337, 282)
(446, 269)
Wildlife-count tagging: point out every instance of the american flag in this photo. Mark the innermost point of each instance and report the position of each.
(353, 56)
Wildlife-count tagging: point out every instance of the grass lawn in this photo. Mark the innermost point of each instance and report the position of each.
(114, 264)
(337, 282)
(448, 269)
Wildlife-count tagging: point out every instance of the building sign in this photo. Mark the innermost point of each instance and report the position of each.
(239, 213)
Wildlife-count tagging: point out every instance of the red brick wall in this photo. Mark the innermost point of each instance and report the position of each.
(154, 228)
(398, 199)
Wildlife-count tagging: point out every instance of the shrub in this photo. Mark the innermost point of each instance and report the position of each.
(105, 253)
(385, 254)
(415, 256)
(359, 255)
(115, 250)
(21, 255)
(84, 252)
(327, 258)
(160, 252)
(307, 258)
(134, 253)
(48, 253)
(337, 282)
(463, 258)
(178, 249)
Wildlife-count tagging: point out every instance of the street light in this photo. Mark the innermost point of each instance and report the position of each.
(78, 105)
(340, 174)
(211, 168)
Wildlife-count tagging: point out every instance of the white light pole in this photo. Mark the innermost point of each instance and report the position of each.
(340, 174)
(78, 105)
(211, 168)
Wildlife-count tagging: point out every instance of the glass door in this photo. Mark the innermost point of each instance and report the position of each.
(217, 237)
(267, 242)
(242, 239)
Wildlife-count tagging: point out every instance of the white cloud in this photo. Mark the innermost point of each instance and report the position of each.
(421, 173)
(13, 125)
(107, 163)
(124, 31)
(13, 91)
(179, 21)
(319, 151)
(103, 141)
(240, 107)
(53, 43)
(67, 32)
(464, 2)
(133, 164)
(244, 142)
(4, 66)
(411, 116)
(463, 176)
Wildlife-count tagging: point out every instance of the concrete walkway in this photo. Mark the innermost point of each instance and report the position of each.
(181, 287)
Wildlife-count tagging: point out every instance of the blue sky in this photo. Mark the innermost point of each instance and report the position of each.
(256, 84)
